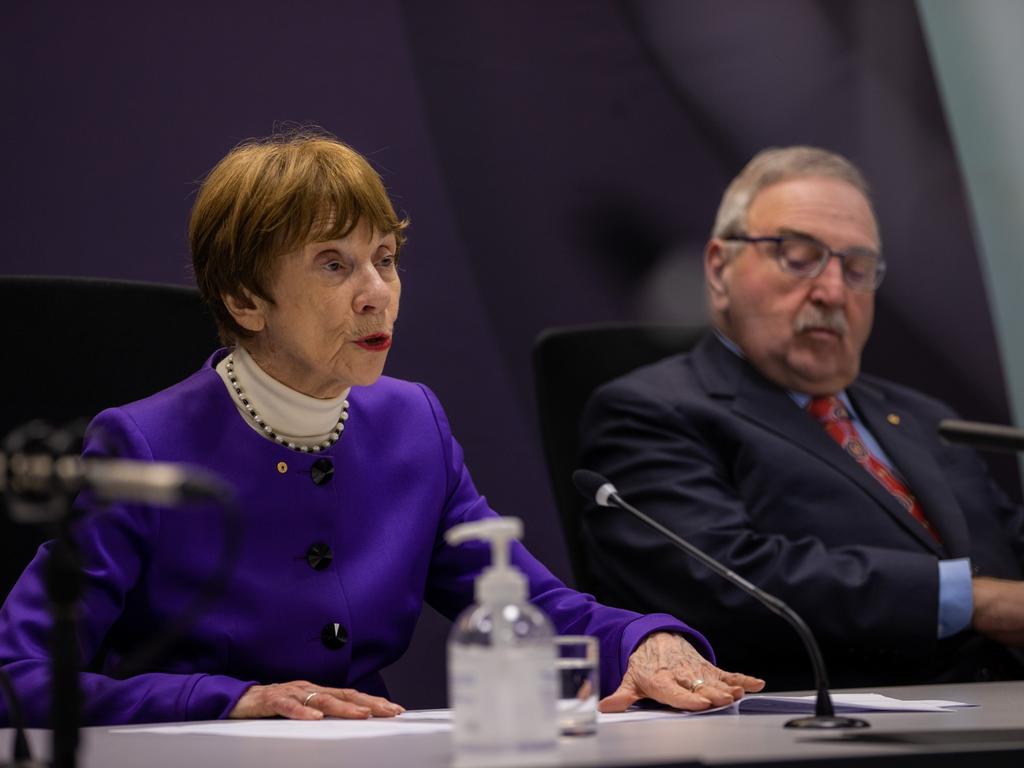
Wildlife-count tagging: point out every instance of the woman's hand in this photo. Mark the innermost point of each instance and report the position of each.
(666, 668)
(301, 700)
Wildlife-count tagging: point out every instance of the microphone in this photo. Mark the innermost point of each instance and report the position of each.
(32, 477)
(987, 437)
(597, 488)
(41, 466)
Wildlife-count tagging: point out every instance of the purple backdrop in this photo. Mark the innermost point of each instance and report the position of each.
(561, 163)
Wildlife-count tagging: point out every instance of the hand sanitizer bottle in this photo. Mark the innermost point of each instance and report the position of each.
(501, 660)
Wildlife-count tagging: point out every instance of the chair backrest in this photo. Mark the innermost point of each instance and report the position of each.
(73, 346)
(568, 365)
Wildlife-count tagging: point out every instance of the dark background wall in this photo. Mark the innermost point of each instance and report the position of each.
(561, 163)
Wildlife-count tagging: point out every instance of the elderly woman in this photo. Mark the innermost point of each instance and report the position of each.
(347, 481)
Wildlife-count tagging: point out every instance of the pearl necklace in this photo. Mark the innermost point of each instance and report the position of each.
(269, 431)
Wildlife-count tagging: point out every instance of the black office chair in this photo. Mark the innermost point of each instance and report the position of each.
(73, 346)
(568, 365)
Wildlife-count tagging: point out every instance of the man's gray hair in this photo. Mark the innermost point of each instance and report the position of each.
(770, 166)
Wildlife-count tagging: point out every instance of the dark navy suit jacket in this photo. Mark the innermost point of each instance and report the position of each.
(710, 448)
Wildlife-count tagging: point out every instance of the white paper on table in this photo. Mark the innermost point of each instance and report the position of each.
(414, 721)
(769, 704)
(420, 721)
(841, 702)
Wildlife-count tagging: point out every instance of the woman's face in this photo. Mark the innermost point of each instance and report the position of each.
(334, 310)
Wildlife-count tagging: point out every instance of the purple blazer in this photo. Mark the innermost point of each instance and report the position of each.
(398, 483)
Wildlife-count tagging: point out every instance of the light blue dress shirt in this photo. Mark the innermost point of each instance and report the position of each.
(956, 600)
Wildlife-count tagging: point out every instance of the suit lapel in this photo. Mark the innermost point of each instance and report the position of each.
(754, 398)
(902, 437)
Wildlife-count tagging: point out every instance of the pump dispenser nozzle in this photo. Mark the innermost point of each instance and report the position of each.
(500, 582)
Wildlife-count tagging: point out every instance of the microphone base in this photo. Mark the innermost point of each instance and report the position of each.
(827, 722)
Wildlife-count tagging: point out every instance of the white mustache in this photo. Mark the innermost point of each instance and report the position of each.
(816, 317)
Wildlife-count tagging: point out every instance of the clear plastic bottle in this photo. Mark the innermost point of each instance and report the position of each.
(501, 675)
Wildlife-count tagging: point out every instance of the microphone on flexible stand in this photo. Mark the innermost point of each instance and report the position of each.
(596, 488)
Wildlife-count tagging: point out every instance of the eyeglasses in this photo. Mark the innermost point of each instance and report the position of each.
(863, 268)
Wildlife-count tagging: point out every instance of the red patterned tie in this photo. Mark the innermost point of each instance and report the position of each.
(833, 415)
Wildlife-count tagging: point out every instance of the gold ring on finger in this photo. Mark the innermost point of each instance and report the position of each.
(305, 702)
(697, 684)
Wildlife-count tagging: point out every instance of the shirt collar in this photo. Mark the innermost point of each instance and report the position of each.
(800, 398)
(292, 414)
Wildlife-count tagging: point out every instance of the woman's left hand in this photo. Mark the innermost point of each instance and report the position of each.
(666, 668)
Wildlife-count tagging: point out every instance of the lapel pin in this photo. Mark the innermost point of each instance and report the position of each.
(282, 467)
(893, 419)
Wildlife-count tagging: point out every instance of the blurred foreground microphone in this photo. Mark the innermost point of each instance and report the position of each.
(40, 468)
(40, 471)
(986, 437)
(596, 488)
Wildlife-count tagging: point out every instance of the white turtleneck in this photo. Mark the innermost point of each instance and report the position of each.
(296, 417)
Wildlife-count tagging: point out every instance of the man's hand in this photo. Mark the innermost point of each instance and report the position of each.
(999, 610)
(301, 700)
(666, 668)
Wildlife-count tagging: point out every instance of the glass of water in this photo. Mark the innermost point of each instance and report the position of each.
(576, 668)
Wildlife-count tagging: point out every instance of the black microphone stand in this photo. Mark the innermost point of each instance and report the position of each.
(593, 486)
(63, 579)
(64, 587)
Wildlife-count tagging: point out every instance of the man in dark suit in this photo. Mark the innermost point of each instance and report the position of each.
(768, 448)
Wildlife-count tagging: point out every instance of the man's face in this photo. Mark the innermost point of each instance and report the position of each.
(804, 334)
